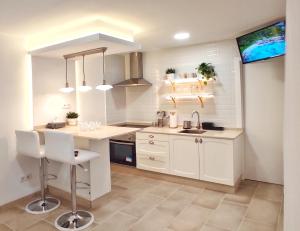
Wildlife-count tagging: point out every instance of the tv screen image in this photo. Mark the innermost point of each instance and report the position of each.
(262, 44)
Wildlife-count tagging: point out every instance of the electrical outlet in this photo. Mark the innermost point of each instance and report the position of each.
(26, 178)
(66, 106)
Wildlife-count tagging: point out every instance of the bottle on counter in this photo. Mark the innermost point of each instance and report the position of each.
(173, 122)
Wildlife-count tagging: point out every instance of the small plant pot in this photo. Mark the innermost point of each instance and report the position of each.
(170, 76)
(72, 122)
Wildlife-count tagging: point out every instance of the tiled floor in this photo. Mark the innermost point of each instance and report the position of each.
(137, 203)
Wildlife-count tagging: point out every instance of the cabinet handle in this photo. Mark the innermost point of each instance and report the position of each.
(151, 136)
(196, 140)
(151, 158)
(151, 142)
(200, 141)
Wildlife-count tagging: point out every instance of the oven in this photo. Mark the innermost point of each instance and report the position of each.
(122, 152)
(122, 148)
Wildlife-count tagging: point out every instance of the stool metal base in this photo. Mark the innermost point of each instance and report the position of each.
(79, 221)
(39, 206)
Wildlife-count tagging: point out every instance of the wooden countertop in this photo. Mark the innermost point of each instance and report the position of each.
(226, 134)
(104, 132)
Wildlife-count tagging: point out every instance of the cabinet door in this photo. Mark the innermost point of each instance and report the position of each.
(216, 161)
(153, 155)
(184, 156)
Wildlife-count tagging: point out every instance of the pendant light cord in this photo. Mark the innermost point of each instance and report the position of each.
(66, 71)
(103, 72)
(83, 68)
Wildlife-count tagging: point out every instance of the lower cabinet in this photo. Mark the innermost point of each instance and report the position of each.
(208, 159)
(217, 161)
(184, 156)
(153, 155)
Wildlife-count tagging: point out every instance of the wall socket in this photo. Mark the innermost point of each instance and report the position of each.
(26, 178)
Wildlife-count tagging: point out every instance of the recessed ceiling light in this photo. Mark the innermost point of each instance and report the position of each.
(181, 35)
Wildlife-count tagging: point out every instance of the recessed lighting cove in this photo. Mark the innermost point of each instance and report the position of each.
(181, 36)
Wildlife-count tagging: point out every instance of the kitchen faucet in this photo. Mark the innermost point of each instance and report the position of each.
(198, 126)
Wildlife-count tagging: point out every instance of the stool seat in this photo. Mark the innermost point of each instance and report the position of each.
(28, 144)
(60, 147)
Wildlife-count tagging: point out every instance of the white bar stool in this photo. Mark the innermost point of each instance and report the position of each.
(28, 144)
(59, 147)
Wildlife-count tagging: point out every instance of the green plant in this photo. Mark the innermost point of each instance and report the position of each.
(207, 71)
(170, 71)
(72, 115)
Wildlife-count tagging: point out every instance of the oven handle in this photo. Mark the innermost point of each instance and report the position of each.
(122, 143)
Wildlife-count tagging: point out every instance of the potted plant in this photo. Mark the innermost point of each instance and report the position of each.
(207, 71)
(170, 72)
(72, 118)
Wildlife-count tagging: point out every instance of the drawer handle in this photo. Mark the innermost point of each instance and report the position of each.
(151, 142)
(151, 158)
(200, 141)
(151, 136)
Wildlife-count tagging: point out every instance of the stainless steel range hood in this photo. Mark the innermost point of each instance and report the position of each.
(136, 72)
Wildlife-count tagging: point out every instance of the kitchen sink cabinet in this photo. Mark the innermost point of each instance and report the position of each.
(184, 156)
(209, 159)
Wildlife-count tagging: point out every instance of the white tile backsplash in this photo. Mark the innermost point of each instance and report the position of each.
(142, 103)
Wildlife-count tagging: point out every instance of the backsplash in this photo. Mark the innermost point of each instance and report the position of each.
(142, 103)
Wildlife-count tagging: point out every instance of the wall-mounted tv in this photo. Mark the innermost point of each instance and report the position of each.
(266, 43)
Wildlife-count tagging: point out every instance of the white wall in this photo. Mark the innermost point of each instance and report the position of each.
(48, 76)
(107, 107)
(291, 120)
(15, 102)
(142, 103)
(264, 83)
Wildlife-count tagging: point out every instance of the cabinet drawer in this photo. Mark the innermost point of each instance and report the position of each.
(152, 162)
(151, 136)
(153, 147)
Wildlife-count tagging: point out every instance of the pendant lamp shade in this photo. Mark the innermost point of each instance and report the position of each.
(103, 86)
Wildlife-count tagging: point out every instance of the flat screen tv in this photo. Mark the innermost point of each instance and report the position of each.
(266, 43)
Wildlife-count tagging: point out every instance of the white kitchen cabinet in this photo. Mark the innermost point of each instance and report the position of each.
(220, 161)
(153, 155)
(184, 156)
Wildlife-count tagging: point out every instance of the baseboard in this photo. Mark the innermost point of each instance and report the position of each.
(29, 197)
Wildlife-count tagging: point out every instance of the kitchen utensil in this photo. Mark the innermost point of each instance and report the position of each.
(187, 124)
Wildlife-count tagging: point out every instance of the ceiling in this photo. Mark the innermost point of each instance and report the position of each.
(153, 22)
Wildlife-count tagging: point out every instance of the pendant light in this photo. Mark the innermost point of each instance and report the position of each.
(84, 87)
(67, 88)
(103, 86)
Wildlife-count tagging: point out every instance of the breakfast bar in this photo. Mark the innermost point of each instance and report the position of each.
(94, 177)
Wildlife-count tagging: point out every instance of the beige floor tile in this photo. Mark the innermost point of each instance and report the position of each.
(191, 218)
(4, 228)
(264, 211)
(248, 225)
(212, 228)
(153, 221)
(176, 202)
(191, 189)
(17, 219)
(117, 222)
(244, 193)
(41, 226)
(141, 206)
(164, 189)
(109, 209)
(228, 216)
(271, 192)
(209, 199)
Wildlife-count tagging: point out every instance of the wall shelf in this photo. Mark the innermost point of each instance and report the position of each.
(184, 97)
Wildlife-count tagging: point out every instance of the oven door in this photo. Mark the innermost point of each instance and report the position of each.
(122, 152)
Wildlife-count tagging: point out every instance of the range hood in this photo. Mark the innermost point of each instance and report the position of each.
(136, 72)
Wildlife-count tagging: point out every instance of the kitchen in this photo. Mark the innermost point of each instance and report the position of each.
(170, 132)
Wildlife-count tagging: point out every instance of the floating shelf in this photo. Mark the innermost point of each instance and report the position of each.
(177, 97)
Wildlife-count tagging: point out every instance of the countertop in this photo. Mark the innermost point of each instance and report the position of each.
(226, 134)
(104, 132)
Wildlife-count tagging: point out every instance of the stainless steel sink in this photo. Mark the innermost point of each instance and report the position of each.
(192, 131)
